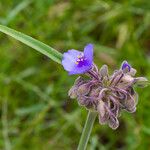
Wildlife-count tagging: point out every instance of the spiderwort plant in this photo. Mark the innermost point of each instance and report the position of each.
(102, 94)
(105, 94)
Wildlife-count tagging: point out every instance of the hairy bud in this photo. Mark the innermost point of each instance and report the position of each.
(108, 95)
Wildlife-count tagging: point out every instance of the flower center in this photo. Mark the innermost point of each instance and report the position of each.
(80, 59)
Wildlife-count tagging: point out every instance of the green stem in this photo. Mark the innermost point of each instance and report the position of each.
(87, 130)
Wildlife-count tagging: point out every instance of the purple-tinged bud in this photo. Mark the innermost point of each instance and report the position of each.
(84, 89)
(113, 122)
(141, 82)
(103, 114)
(130, 104)
(103, 72)
(131, 100)
(73, 93)
(125, 66)
(108, 95)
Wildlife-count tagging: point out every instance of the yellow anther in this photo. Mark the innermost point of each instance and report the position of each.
(76, 63)
(79, 56)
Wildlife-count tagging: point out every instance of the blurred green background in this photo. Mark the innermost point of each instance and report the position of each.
(36, 112)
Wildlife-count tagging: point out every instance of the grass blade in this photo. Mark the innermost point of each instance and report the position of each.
(35, 44)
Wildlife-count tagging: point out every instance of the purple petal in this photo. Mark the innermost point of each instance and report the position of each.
(88, 52)
(69, 59)
(125, 65)
(80, 70)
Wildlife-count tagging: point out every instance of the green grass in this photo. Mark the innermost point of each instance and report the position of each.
(36, 112)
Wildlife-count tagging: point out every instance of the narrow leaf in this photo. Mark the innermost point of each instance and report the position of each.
(35, 44)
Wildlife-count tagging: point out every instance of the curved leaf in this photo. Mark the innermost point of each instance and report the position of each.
(35, 44)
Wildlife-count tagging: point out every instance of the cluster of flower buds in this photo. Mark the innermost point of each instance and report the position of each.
(106, 94)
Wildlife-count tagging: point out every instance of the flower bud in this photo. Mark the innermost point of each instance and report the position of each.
(84, 89)
(72, 92)
(103, 115)
(103, 71)
(113, 122)
(141, 82)
(108, 95)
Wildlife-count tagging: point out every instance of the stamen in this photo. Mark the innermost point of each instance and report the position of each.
(76, 63)
(80, 58)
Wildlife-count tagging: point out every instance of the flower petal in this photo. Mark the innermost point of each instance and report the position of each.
(69, 59)
(125, 65)
(79, 70)
(88, 53)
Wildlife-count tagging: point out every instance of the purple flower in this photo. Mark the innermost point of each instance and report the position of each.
(77, 62)
(125, 65)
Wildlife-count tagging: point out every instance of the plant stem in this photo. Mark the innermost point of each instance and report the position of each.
(87, 130)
